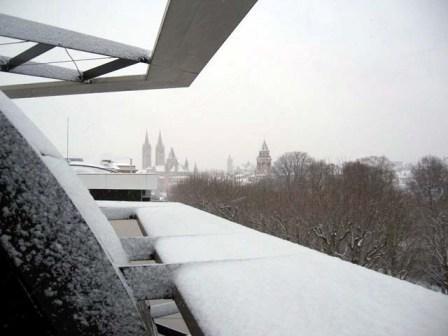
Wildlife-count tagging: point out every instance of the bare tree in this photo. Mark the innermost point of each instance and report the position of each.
(429, 186)
(355, 211)
(291, 168)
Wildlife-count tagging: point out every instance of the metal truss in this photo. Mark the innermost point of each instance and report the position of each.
(48, 37)
(190, 34)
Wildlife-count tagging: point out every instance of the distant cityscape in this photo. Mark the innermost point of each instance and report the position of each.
(170, 170)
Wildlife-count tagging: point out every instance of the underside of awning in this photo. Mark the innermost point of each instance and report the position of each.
(190, 34)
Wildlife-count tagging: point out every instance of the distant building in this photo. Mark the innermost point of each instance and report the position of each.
(245, 173)
(127, 168)
(172, 165)
(146, 153)
(404, 173)
(169, 171)
(160, 151)
(114, 181)
(119, 167)
(263, 161)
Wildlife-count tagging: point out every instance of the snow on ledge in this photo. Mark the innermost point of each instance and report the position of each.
(176, 219)
(308, 294)
(236, 281)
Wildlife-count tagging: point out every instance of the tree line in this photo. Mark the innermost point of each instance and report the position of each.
(356, 211)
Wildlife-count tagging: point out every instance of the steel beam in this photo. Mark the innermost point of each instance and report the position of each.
(164, 309)
(192, 31)
(106, 68)
(168, 331)
(108, 84)
(27, 55)
(189, 318)
(156, 281)
(41, 70)
(22, 29)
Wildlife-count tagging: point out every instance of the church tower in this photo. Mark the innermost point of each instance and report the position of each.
(160, 151)
(146, 153)
(171, 162)
(264, 161)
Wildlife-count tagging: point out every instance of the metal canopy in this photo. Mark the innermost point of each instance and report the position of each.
(26, 30)
(190, 34)
(49, 37)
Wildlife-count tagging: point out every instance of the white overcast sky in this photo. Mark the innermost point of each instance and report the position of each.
(337, 79)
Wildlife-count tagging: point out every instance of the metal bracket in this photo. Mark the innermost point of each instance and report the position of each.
(150, 282)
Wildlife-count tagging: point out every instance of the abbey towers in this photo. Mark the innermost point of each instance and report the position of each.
(172, 164)
(160, 163)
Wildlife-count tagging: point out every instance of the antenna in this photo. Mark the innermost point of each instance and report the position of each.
(68, 133)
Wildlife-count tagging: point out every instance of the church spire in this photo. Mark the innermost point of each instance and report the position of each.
(171, 162)
(159, 140)
(146, 153)
(160, 151)
(146, 138)
(264, 147)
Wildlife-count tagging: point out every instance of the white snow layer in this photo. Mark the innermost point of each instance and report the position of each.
(30, 132)
(237, 281)
(307, 294)
(67, 179)
(125, 209)
(251, 244)
(89, 210)
(176, 219)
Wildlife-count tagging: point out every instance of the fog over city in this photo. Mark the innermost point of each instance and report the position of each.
(336, 79)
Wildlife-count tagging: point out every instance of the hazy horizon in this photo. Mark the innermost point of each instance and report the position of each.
(337, 79)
